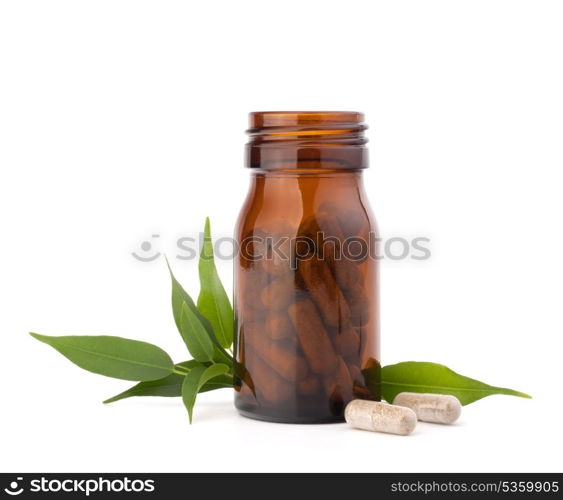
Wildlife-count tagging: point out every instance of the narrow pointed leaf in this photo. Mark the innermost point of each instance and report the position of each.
(420, 376)
(220, 355)
(188, 365)
(113, 356)
(195, 335)
(195, 380)
(213, 301)
(170, 387)
(166, 387)
(181, 297)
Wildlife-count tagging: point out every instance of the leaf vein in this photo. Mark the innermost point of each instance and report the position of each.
(109, 356)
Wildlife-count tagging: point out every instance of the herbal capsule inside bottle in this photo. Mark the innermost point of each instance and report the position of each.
(306, 297)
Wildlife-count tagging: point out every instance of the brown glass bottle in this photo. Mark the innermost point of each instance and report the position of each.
(306, 294)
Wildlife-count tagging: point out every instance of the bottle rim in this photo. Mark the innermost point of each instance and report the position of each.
(295, 139)
(322, 119)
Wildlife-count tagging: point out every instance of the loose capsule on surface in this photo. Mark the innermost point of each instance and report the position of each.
(380, 417)
(436, 408)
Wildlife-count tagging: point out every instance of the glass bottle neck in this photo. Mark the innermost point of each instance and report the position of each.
(306, 141)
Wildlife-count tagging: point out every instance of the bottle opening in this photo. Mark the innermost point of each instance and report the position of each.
(259, 119)
(293, 139)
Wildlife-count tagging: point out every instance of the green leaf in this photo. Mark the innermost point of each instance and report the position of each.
(181, 297)
(113, 356)
(171, 386)
(213, 301)
(195, 335)
(420, 376)
(195, 380)
(188, 365)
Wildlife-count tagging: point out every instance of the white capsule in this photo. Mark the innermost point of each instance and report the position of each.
(380, 417)
(437, 408)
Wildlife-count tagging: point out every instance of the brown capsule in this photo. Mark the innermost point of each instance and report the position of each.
(344, 378)
(324, 227)
(286, 363)
(309, 228)
(250, 314)
(347, 273)
(309, 386)
(248, 251)
(252, 283)
(336, 401)
(250, 331)
(246, 395)
(362, 392)
(252, 249)
(348, 342)
(341, 382)
(245, 391)
(279, 253)
(352, 360)
(352, 222)
(340, 389)
(273, 246)
(331, 247)
(269, 386)
(313, 337)
(329, 237)
(324, 231)
(324, 291)
(356, 374)
(278, 326)
(278, 294)
(358, 303)
(291, 343)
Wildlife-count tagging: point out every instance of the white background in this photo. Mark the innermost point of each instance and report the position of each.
(122, 119)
